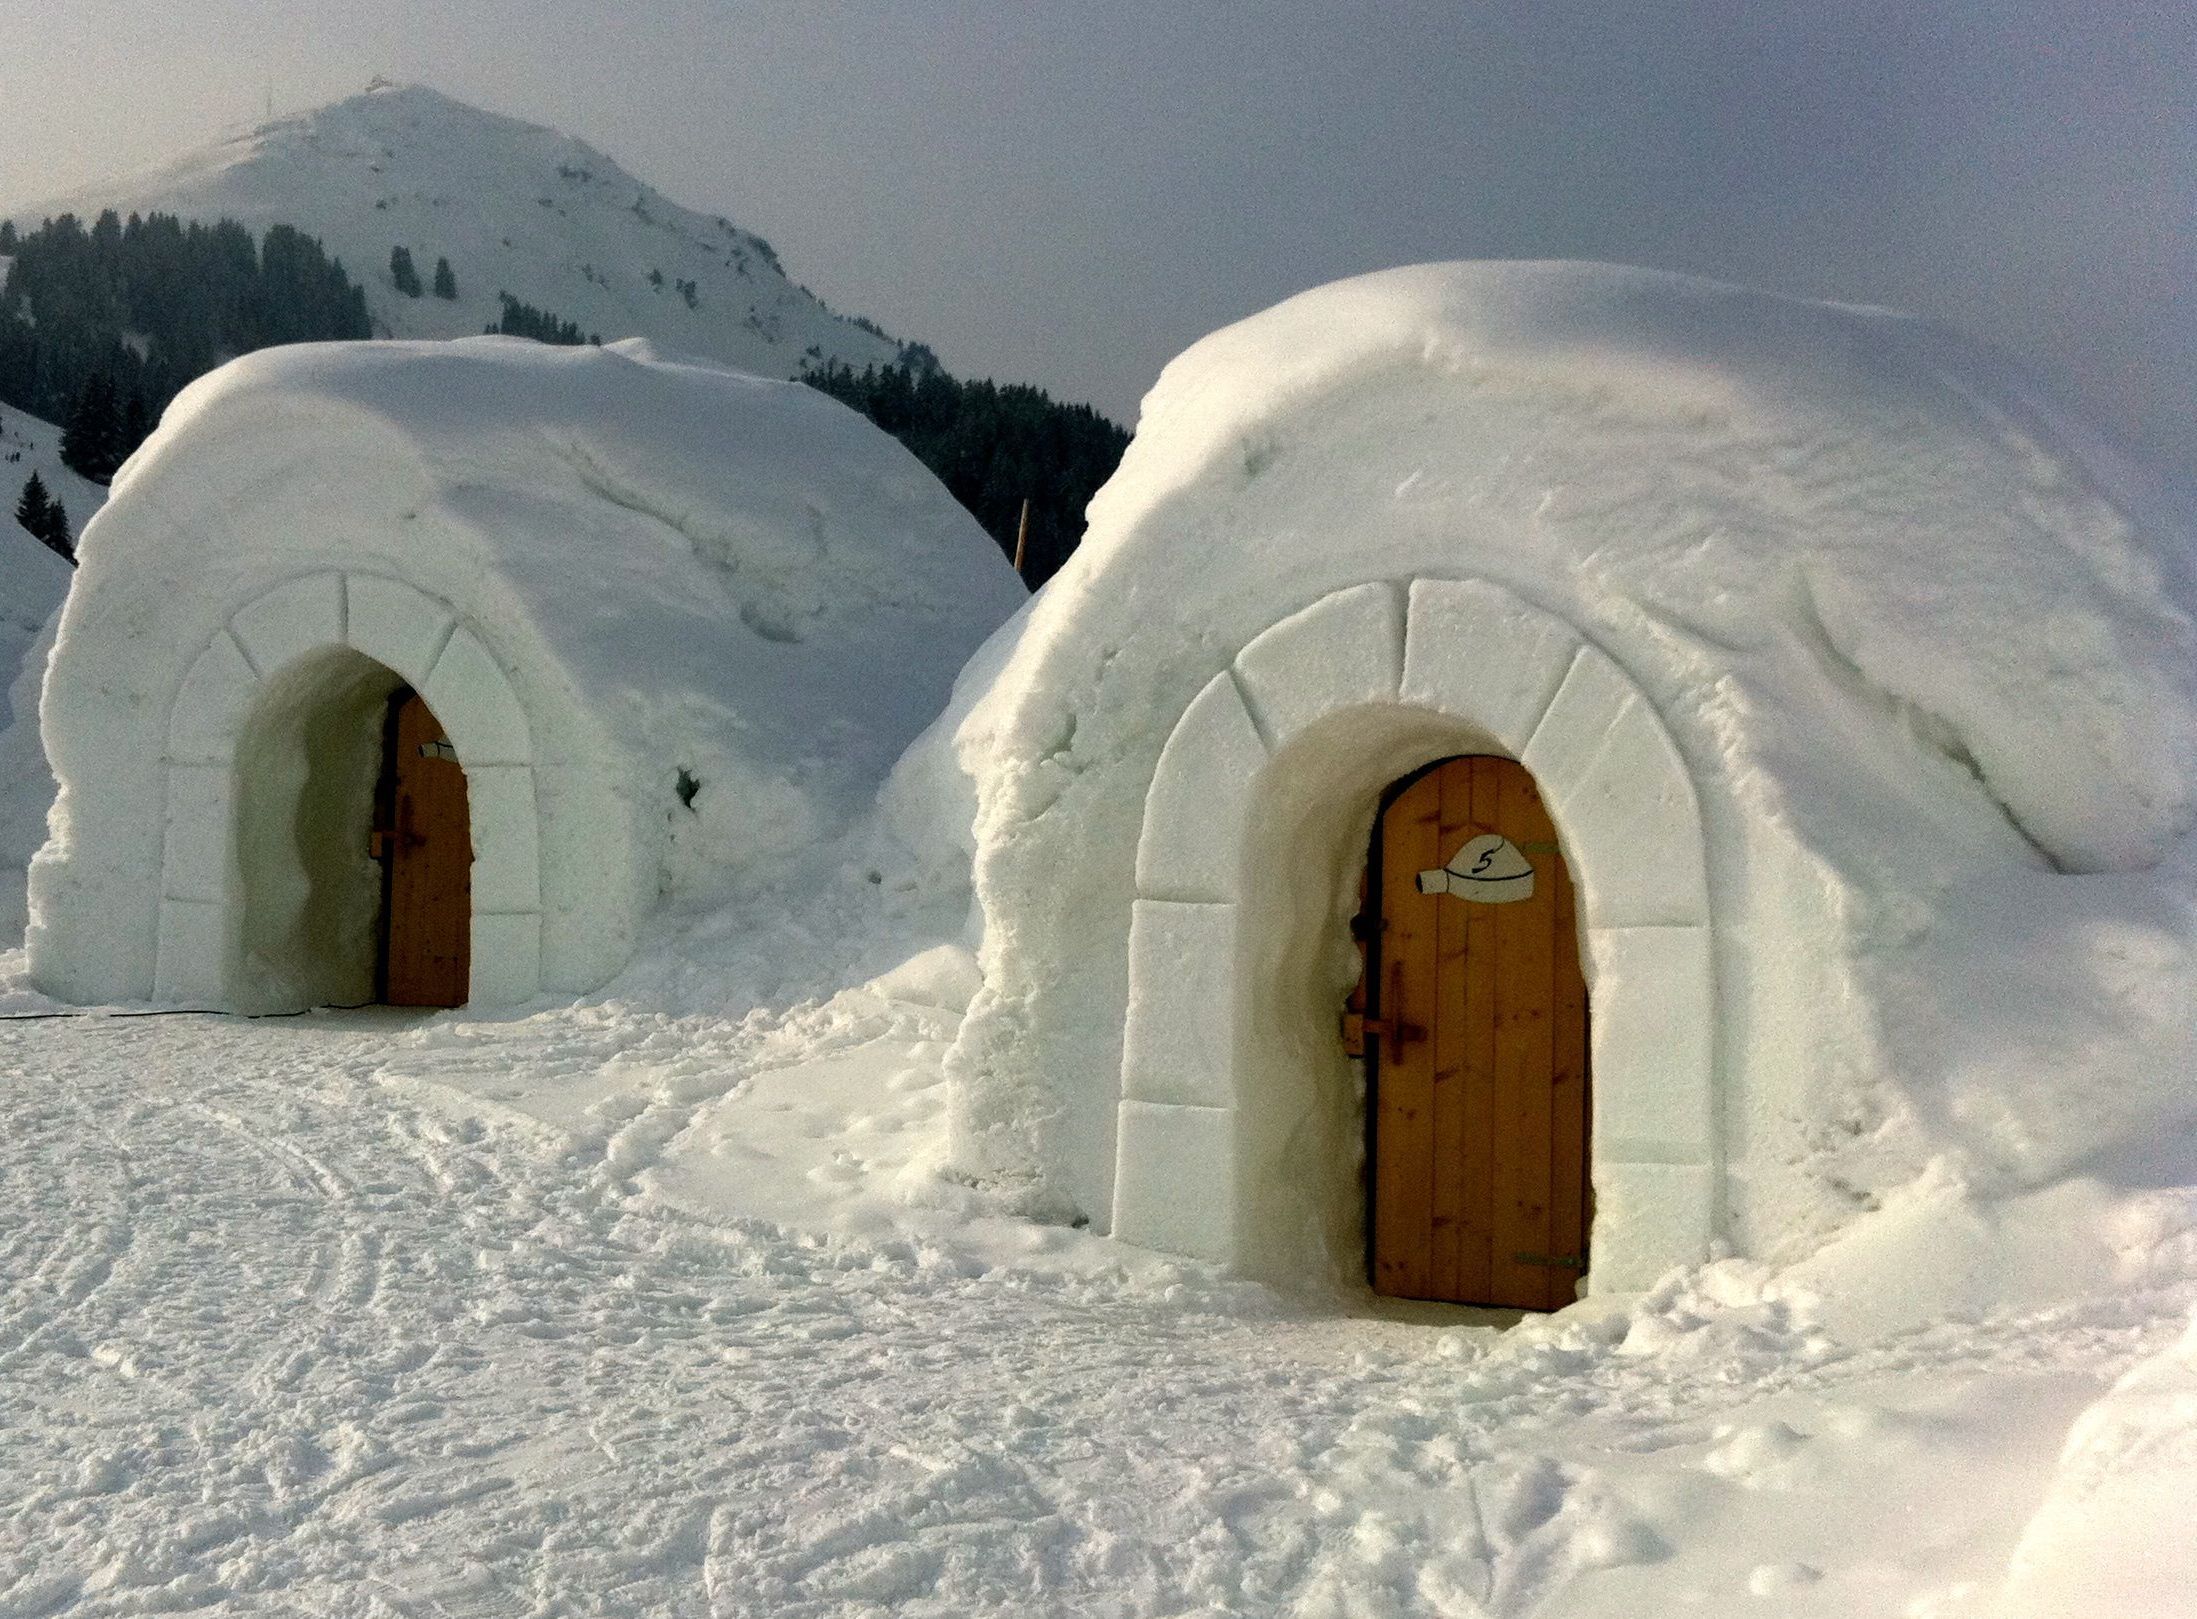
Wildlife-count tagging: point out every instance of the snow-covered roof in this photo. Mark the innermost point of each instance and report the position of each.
(721, 563)
(1722, 468)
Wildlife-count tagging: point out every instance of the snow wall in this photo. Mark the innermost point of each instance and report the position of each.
(1863, 692)
(676, 620)
(33, 583)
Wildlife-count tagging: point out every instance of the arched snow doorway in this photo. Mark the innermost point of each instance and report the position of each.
(271, 895)
(354, 843)
(1474, 1038)
(1241, 1122)
(309, 762)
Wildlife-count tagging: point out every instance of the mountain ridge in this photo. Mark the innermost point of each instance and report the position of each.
(516, 208)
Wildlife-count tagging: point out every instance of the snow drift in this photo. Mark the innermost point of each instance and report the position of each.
(1843, 662)
(676, 619)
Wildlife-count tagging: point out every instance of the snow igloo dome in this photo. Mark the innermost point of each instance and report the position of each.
(1542, 772)
(424, 671)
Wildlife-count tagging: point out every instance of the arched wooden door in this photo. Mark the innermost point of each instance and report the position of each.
(424, 839)
(1477, 1045)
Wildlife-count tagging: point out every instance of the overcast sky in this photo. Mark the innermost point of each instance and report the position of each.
(1069, 193)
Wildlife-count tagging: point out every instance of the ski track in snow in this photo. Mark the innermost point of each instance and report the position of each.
(299, 1328)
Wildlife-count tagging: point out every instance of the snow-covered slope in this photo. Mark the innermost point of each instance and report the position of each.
(29, 445)
(515, 208)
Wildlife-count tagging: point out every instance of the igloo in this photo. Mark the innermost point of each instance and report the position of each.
(1742, 640)
(427, 671)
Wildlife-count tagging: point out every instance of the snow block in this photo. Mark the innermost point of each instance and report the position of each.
(1653, 1056)
(1177, 1045)
(282, 625)
(196, 858)
(1477, 653)
(1621, 799)
(1175, 1184)
(401, 628)
(193, 952)
(507, 958)
(211, 706)
(1649, 1219)
(472, 696)
(1194, 813)
(506, 848)
(592, 876)
(1344, 651)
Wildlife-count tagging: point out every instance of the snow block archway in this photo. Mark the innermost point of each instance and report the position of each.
(1325, 706)
(424, 643)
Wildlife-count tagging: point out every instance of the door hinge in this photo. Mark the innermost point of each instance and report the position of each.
(1551, 1261)
(1359, 1031)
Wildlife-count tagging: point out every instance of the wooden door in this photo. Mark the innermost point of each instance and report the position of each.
(425, 840)
(1477, 1013)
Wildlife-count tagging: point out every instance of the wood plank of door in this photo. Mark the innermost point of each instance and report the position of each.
(1403, 1134)
(1480, 1125)
(1523, 971)
(1454, 1068)
(431, 868)
(1569, 1092)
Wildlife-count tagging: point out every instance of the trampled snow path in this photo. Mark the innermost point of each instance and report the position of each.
(290, 1325)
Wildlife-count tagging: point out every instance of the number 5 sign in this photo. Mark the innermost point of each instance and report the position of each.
(1489, 870)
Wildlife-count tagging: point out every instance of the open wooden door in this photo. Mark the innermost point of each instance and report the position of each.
(425, 842)
(1476, 1040)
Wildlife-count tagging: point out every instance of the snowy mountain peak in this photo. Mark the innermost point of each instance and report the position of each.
(515, 208)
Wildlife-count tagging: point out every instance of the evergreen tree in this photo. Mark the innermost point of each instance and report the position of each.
(149, 303)
(404, 273)
(56, 535)
(92, 440)
(30, 509)
(446, 284)
(44, 519)
(524, 320)
(993, 447)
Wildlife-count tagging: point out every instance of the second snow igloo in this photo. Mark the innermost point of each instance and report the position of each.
(425, 671)
(1589, 688)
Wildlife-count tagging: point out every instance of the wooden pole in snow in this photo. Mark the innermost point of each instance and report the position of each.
(1022, 540)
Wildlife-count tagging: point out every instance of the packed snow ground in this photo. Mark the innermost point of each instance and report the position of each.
(618, 1309)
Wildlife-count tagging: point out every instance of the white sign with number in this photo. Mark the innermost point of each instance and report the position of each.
(1488, 870)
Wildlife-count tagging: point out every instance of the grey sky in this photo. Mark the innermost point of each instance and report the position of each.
(1070, 193)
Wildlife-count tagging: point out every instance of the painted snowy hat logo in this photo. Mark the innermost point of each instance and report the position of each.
(1488, 870)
